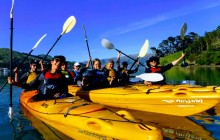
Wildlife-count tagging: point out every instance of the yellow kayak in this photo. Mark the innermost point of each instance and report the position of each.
(182, 100)
(80, 119)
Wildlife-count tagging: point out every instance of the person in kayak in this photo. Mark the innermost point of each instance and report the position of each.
(69, 75)
(51, 83)
(153, 67)
(123, 72)
(111, 73)
(28, 76)
(95, 78)
(78, 71)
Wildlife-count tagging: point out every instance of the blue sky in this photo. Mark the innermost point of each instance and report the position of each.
(126, 23)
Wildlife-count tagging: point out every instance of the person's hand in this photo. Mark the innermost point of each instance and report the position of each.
(147, 83)
(10, 80)
(183, 54)
(16, 70)
(41, 62)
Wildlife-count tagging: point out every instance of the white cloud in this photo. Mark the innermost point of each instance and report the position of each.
(189, 9)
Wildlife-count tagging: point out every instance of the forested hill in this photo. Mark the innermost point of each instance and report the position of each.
(18, 57)
(201, 50)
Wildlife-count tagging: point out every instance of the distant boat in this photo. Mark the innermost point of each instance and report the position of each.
(5, 69)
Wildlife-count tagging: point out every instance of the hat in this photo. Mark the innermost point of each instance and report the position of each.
(61, 57)
(76, 64)
(153, 58)
(34, 62)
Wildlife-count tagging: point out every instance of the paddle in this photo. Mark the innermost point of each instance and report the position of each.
(87, 44)
(67, 27)
(182, 36)
(142, 52)
(152, 77)
(107, 44)
(10, 112)
(29, 54)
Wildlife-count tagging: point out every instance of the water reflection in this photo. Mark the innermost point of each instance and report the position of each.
(47, 132)
(4, 73)
(202, 75)
(202, 126)
(172, 127)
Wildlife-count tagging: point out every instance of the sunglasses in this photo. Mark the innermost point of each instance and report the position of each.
(34, 65)
(57, 60)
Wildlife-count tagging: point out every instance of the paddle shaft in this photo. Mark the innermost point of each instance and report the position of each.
(129, 57)
(87, 44)
(52, 47)
(184, 49)
(11, 52)
(134, 63)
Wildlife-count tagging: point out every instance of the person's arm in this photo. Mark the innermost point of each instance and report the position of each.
(118, 61)
(177, 60)
(14, 83)
(118, 58)
(88, 63)
(41, 65)
(16, 71)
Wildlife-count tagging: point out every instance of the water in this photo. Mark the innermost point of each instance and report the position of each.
(202, 126)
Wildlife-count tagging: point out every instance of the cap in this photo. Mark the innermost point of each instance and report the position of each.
(35, 62)
(76, 64)
(61, 57)
(153, 58)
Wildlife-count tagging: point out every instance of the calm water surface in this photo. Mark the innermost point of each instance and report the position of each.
(203, 126)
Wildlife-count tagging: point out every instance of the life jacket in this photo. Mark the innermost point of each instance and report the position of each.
(155, 70)
(52, 83)
(112, 73)
(31, 77)
(78, 75)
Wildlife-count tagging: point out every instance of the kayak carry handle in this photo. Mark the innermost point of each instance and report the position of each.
(98, 124)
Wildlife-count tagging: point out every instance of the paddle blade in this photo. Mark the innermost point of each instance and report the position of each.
(107, 44)
(69, 24)
(35, 46)
(144, 49)
(152, 77)
(12, 10)
(183, 31)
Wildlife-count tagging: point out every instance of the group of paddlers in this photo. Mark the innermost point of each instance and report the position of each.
(53, 80)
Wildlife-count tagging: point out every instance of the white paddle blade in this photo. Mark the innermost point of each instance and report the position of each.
(107, 44)
(35, 46)
(152, 77)
(10, 113)
(144, 49)
(69, 24)
(183, 31)
(12, 10)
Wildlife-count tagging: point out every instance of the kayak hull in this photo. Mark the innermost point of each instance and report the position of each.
(80, 119)
(173, 100)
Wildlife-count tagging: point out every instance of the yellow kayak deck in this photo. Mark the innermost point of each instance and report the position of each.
(180, 100)
(80, 119)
